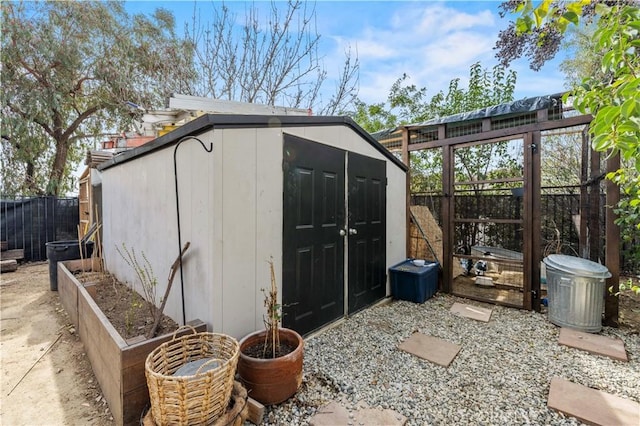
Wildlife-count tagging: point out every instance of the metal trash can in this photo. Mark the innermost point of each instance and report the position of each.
(575, 291)
(58, 251)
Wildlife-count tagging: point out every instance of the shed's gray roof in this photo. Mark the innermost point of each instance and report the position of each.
(211, 121)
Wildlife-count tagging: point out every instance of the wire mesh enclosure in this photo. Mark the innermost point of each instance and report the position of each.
(495, 190)
(488, 219)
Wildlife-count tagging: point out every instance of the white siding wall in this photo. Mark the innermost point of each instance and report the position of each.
(139, 210)
(251, 200)
(231, 212)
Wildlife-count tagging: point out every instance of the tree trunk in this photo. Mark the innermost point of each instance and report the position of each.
(57, 168)
(30, 180)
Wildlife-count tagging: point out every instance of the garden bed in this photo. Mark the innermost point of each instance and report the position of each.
(126, 310)
(118, 363)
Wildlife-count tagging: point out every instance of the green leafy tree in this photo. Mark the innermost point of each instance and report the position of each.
(583, 57)
(408, 103)
(69, 71)
(539, 33)
(486, 88)
(613, 95)
(614, 100)
(584, 63)
(374, 117)
(560, 160)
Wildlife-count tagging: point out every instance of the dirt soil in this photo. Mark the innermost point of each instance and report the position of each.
(126, 310)
(629, 308)
(259, 351)
(46, 376)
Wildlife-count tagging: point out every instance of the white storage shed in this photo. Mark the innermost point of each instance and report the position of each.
(317, 195)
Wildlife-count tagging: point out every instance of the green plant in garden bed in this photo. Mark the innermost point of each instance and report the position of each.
(145, 274)
(134, 305)
(627, 286)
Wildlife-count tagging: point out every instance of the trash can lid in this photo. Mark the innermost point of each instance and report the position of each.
(576, 266)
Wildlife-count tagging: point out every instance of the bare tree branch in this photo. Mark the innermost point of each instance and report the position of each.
(272, 60)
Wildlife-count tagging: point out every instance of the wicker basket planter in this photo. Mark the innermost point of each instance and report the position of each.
(237, 412)
(118, 364)
(194, 399)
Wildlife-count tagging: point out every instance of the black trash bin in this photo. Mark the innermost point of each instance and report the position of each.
(58, 251)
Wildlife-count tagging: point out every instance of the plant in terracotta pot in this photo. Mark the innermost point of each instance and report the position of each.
(270, 363)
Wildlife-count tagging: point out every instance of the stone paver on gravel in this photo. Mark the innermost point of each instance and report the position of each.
(474, 312)
(593, 343)
(433, 349)
(592, 406)
(501, 376)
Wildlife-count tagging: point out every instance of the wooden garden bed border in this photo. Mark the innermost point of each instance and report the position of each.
(118, 364)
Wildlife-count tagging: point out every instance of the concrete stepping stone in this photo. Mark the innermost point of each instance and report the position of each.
(593, 343)
(592, 406)
(431, 348)
(334, 414)
(473, 312)
(373, 416)
(331, 414)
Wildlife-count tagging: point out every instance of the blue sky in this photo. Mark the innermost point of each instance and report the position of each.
(431, 41)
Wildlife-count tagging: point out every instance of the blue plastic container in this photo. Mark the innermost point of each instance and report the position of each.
(414, 283)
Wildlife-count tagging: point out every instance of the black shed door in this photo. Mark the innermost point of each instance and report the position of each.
(367, 179)
(313, 249)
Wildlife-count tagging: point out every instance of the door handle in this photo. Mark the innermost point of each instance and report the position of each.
(353, 231)
(343, 232)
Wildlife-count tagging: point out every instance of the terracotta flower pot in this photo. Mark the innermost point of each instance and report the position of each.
(271, 381)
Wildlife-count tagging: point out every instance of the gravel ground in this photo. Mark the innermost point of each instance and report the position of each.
(501, 375)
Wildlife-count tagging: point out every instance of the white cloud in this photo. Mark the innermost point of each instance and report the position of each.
(430, 42)
(377, 87)
(459, 49)
(443, 19)
(368, 49)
